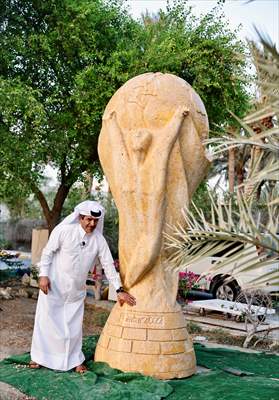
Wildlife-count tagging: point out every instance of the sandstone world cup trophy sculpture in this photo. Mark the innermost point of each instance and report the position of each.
(151, 150)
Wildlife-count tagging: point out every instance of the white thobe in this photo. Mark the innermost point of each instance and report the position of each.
(67, 258)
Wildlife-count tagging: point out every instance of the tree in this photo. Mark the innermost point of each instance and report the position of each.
(203, 51)
(44, 48)
(62, 60)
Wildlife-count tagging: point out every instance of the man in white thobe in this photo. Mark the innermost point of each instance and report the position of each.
(70, 253)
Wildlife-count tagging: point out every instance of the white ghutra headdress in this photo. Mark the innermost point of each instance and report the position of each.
(88, 208)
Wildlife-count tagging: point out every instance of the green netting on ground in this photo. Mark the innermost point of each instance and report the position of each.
(100, 383)
(218, 385)
(262, 364)
(103, 382)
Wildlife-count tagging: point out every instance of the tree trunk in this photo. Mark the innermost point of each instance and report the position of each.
(88, 182)
(52, 216)
(256, 155)
(239, 168)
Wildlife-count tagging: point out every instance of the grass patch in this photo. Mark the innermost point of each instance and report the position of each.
(193, 328)
(100, 318)
(221, 336)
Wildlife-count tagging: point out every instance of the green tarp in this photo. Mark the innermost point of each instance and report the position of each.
(103, 382)
(218, 385)
(261, 364)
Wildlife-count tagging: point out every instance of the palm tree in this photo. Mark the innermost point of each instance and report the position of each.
(243, 223)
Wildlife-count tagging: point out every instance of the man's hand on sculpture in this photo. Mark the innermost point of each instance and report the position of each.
(44, 284)
(124, 297)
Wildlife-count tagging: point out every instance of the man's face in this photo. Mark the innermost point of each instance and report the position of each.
(88, 223)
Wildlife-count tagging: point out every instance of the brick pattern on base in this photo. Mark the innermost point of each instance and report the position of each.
(142, 342)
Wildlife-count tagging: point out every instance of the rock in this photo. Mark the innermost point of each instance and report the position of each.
(23, 293)
(25, 280)
(28, 293)
(6, 293)
(200, 338)
(33, 282)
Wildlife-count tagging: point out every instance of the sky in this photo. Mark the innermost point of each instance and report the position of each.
(263, 13)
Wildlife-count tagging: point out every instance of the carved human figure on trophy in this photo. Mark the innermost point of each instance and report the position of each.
(151, 150)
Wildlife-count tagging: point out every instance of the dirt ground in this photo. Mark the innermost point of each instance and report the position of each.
(17, 319)
(16, 327)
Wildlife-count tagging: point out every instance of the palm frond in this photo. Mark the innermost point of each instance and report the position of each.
(267, 140)
(202, 240)
(241, 226)
(267, 43)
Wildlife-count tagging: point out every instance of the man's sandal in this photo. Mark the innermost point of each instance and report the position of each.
(80, 369)
(34, 365)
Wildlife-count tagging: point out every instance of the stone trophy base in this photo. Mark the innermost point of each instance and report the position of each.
(155, 344)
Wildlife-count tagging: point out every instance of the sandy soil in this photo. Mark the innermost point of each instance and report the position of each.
(17, 319)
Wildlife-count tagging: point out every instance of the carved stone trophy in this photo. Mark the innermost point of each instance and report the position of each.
(151, 150)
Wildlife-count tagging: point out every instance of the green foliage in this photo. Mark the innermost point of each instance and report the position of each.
(34, 272)
(76, 195)
(202, 200)
(5, 274)
(193, 328)
(51, 43)
(100, 318)
(45, 47)
(203, 51)
(60, 63)
(4, 244)
(14, 196)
